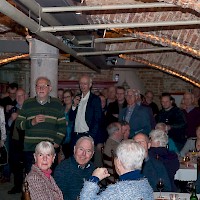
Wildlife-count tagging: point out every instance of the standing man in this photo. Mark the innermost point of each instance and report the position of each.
(115, 107)
(192, 114)
(17, 144)
(137, 116)
(42, 118)
(87, 115)
(174, 118)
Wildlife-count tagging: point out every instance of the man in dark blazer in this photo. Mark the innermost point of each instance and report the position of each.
(87, 115)
(137, 116)
(115, 107)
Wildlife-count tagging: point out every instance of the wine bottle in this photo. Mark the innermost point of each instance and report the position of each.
(194, 194)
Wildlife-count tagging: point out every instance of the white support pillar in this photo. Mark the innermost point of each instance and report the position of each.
(44, 62)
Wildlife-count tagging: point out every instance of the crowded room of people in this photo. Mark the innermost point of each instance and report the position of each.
(99, 100)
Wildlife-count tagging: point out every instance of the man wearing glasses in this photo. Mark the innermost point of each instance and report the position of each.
(42, 118)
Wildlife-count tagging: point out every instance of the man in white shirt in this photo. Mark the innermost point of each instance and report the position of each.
(87, 115)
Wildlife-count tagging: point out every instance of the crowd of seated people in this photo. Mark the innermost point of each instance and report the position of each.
(114, 119)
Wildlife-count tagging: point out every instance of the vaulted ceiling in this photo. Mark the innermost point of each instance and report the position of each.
(102, 34)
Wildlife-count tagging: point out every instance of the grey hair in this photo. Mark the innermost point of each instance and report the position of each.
(136, 92)
(89, 138)
(87, 76)
(130, 154)
(43, 78)
(159, 136)
(45, 146)
(160, 126)
(112, 128)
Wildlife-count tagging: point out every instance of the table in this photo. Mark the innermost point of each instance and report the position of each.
(182, 196)
(186, 173)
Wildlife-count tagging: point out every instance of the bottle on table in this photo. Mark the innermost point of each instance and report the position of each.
(194, 194)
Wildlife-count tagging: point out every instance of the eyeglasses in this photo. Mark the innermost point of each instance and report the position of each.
(129, 96)
(41, 86)
(67, 97)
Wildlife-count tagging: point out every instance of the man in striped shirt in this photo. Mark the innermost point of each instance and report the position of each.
(42, 118)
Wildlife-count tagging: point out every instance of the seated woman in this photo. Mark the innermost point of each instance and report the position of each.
(159, 151)
(41, 183)
(171, 145)
(131, 185)
(192, 144)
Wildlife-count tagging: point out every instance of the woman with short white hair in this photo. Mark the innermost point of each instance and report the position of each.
(158, 138)
(159, 151)
(41, 184)
(131, 185)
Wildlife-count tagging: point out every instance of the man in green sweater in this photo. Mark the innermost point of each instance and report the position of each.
(42, 118)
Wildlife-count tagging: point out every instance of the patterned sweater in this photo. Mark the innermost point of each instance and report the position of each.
(41, 187)
(123, 190)
(53, 129)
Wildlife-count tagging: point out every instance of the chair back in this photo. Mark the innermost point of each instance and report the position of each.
(26, 193)
(108, 162)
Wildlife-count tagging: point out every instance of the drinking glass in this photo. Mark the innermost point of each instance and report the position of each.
(160, 186)
(189, 186)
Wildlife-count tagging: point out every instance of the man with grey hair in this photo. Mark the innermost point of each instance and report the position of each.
(159, 151)
(71, 173)
(192, 114)
(137, 116)
(87, 115)
(115, 137)
(131, 184)
(42, 118)
(152, 169)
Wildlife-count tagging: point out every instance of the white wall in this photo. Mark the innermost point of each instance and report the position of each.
(130, 76)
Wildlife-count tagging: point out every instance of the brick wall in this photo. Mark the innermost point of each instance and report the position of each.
(152, 79)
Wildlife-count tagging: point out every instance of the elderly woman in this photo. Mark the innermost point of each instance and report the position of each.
(41, 184)
(158, 150)
(171, 145)
(192, 144)
(131, 185)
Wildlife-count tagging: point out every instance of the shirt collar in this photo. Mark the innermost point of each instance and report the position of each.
(79, 166)
(48, 100)
(86, 96)
(133, 175)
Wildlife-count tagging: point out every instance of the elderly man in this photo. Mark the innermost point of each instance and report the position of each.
(42, 118)
(131, 184)
(192, 114)
(115, 137)
(159, 151)
(17, 144)
(152, 169)
(87, 115)
(71, 173)
(137, 116)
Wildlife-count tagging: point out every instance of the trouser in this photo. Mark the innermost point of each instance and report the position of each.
(17, 162)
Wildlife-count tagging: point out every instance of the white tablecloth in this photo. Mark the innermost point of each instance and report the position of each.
(186, 173)
(182, 196)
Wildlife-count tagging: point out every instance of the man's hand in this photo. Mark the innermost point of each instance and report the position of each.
(8, 108)
(101, 173)
(14, 116)
(38, 119)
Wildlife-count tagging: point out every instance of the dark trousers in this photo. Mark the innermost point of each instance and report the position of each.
(28, 160)
(16, 163)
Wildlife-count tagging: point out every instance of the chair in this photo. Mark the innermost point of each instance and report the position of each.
(26, 193)
(108, 162)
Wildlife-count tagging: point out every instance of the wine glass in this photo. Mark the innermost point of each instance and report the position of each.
(160, 186)
(189, 186)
